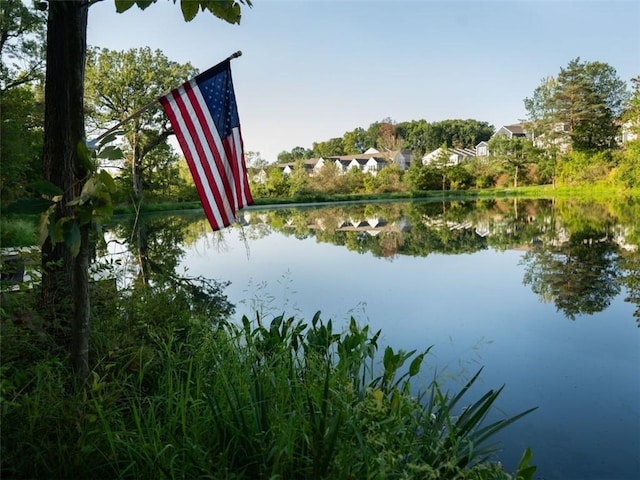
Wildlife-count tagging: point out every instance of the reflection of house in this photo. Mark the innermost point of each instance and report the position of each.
(455, 156)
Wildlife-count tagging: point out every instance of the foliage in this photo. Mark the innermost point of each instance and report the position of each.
(329, 148)
(581, 168)
(21, 140)
(22, 34)
(227, 10)
(240, 400)
(586, 100)
(120, 83)
(514, 153)
(17, 232)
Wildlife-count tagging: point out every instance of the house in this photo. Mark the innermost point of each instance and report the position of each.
(371, 161)
(514, 131)
(258, 176)
(627, 133)
(456, 156)
(309, 166)
(557, 138)
(482, 149)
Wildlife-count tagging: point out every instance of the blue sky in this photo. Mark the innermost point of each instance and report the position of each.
(314, 69)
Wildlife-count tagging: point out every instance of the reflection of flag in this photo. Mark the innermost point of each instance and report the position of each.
(204, 117)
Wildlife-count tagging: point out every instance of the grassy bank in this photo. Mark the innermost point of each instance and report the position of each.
(532, 192)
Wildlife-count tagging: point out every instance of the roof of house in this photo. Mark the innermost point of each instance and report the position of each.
(516, 128)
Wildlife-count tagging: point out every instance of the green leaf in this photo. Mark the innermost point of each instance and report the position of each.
(111, 153)
(414, 368)
(110, 138)
(89, 188)
(55, 230)
(124, 5)
(526, 471)
(44, 187)
(189, 9)
(84, 157)
(84, 214)
(227, 10)
(71, 235)
(43, 227)
(142, 4)
(107, 181)
(29, 206)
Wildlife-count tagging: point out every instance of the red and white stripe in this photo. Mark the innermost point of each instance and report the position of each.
(216, 164)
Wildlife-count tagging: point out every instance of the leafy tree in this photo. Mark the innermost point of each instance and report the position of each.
(119, 84)
(65, 276)
(21, 140)
(356, 141)
(298, 178)
(441, 164)
(22, 43)
(422, 177)
(515, 153)
(457, 133)
(330, 148)
(254, 159)
(414, 135)
(296, 153)
(387, 138)
(585, 100)
(276, 184)
(22, 31)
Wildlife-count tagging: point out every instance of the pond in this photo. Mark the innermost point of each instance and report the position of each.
(545, 295)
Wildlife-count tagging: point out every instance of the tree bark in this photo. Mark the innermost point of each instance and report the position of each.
(65, 279)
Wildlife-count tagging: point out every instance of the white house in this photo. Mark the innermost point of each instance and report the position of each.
(626, 133)
(482, 149)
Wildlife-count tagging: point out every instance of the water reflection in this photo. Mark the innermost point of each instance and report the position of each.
(578, 255)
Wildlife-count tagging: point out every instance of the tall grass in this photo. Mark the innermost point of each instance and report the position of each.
(286, 400)
(17, 232)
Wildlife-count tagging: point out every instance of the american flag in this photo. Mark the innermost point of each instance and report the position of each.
(204, 117)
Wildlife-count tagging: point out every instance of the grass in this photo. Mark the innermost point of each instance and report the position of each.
(541, 191)
(188, 395)
(18, 232)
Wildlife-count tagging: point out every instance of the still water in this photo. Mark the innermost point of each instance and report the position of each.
(544, 294)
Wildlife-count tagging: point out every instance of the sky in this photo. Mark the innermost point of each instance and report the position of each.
(312, 70)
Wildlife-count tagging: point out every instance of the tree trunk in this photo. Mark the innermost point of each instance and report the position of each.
(65, 279)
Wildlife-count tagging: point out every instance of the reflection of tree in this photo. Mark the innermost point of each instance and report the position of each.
(580, 277)
(156, 245)
(630, 265)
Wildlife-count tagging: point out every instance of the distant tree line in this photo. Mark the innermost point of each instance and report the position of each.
(418, 136)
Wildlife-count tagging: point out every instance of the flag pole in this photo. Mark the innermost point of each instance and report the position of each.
(153, 102)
